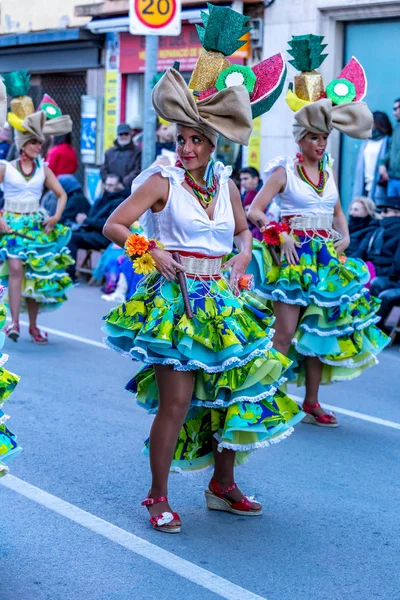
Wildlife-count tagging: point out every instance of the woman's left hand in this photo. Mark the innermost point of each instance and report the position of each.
(341, 245)
(50, 223)
(238, 264)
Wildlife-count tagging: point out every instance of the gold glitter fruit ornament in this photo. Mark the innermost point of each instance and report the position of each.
(307, 57)
(220, 35)
(17, 86)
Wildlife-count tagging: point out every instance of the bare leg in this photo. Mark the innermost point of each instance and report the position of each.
(15, 275)
(175, 390)
(286, 321)
(313, 380)
(33, 309)
(224, 473)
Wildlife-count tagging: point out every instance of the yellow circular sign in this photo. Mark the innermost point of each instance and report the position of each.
(155, 13)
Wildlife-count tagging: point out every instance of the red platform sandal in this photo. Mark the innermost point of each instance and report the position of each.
(162, 522)
(37, 336)
(215, 501)
(325, 420)
(12, 331)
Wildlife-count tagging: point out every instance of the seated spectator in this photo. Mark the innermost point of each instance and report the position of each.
(123, 159)
(88, 229)
(383, 250)
(76, 201)
(362, 222)
(62, 156)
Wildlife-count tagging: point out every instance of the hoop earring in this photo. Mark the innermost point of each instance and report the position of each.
(300, 157)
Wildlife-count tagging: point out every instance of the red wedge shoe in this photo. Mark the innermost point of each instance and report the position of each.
(215, 501)
(325, 420)
(37, 336)
(162, 522)
(12, 331)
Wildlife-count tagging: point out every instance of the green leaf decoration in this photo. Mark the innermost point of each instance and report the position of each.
(236, 75)
(156, 79)
(340, 91)
(17, 83)
(307, 51)
(222, 29)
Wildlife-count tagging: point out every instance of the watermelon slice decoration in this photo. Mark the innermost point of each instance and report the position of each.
(340, 91)
(354, 73)
(50, 107)
(271, 75)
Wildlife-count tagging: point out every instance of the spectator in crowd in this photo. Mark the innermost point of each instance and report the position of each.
(390, 165)
(368, 180)
(62, 156)
(250, 183)
(362, 222)
(123, 159)
(164, 138)
(383, 250)
(76, 201)
(88, 228)
(5, 142)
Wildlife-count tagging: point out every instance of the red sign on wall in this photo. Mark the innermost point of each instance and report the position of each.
(184, 48)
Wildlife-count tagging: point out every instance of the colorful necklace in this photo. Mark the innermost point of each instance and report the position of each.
(27, 176)
(204, 194)
(319, 188)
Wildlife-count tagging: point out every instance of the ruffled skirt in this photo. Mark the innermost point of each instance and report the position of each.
(9, 448)
(45, 259)
(338, 316)
(238, 397)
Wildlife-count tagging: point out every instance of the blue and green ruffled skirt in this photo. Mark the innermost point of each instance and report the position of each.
(239, 397)
(338, 317)
(9, 448)
(45, 259)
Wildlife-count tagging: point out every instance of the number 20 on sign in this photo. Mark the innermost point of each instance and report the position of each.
(155, 17)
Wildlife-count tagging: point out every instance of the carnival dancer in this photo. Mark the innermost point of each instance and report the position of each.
(210, 376)
(33, 245)
(321, 305)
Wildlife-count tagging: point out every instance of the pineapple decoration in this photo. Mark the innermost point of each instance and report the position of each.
(17, 86)
(220, 35)
(307, 51)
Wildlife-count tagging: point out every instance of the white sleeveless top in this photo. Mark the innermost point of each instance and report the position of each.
(183, 224)
(20, 195)
(299, 198)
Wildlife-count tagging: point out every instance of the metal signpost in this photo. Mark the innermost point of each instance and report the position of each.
(152, 18)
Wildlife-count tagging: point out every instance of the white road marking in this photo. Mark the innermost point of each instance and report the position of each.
(71, 336)
(354, 414)
(336, 409)
(180, 566)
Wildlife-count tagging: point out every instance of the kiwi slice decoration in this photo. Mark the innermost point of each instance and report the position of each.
(236, 75)
(340, 91)
(52, 111)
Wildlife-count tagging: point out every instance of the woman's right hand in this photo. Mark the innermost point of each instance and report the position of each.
(165, 264)
(288, 249)
(4, 228)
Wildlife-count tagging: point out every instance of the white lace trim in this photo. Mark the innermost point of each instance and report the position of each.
(255, 446)
(4, 418)
(349, 363)
(340, 332)
(24, 254)
(344, 299)
(190, 472)
(30, 275)
(248, 399)
(191, 365)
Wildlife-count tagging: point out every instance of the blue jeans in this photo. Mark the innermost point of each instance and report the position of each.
(393, 188)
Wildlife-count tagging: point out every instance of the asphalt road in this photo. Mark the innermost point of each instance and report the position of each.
(330, 529)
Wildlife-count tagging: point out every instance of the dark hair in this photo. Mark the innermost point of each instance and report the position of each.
(397, 100)
(62, 139)
(250, 171)
(115, 176)
(382, 122)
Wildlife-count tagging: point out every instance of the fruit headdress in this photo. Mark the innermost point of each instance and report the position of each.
(221, 97)
(28, 124)
(339, 105)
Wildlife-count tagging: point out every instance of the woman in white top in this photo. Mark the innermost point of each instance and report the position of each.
(212, 380)
(321, 305)
(32, 245)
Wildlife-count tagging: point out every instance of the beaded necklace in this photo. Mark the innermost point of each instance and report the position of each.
(319, 188)
(27, 176)
(204, 194)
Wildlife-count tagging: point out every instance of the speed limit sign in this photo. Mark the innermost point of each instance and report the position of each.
(155, 17)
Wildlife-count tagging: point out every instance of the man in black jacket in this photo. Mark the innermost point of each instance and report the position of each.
(383, 250)
(123, 159)
(88, 231)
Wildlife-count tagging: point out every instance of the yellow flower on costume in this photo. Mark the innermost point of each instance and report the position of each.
(144, 265)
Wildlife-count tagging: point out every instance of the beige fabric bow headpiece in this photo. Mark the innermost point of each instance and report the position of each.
(227, 112)
(352, 118)
(37, 126)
